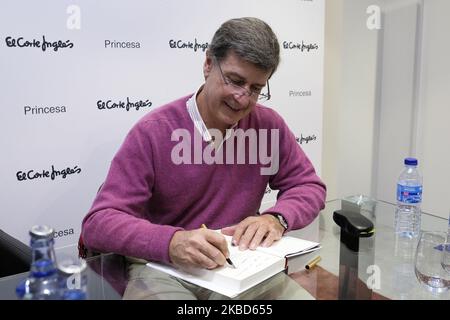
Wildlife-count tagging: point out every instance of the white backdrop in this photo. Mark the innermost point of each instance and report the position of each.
(57, 143)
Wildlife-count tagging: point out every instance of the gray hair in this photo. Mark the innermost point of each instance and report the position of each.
(251, 39)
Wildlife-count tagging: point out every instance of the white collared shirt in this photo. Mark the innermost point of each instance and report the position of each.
(199, 124)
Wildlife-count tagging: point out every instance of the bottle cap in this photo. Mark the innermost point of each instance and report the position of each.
(411, 161)
(41, 232)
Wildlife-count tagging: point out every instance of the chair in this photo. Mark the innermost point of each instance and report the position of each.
(15, 256)
(112, 267)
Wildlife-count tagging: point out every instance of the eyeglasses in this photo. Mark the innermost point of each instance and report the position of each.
(240, 90)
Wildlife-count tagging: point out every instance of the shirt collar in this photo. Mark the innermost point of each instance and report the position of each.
(196, 117)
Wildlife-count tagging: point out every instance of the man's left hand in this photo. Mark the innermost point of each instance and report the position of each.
(254, 231)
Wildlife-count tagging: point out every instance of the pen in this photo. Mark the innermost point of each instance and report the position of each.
(228, 259)
(313, 263)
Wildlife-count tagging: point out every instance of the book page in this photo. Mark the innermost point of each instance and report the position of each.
(290, 246)
(252, 267)
(247, 263)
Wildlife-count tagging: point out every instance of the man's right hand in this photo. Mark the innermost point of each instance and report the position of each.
(201, 248)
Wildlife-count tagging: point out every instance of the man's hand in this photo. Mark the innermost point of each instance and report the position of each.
(254, 231)
(199, 248)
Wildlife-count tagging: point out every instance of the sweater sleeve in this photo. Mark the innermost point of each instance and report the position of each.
(301, 192)
(117, 221)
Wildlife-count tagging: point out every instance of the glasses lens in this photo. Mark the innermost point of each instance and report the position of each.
(241, 90)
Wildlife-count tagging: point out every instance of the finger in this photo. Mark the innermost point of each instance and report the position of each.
(229, 231)
(202, 260)
(216, 247)
(272, 236)
(247, 237)
(258, 237)
(240, 229)
(214, 254)
(219, 241)
(193, 253)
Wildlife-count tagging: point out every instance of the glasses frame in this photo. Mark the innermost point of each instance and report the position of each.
(260, 96)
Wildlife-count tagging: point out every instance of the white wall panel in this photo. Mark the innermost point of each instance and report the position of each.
(84, 138)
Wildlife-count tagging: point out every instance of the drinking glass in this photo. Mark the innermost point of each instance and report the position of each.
(73, 277)
(431, 261)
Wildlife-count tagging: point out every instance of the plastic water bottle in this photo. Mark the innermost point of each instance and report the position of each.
(409, 199)
(42, 282)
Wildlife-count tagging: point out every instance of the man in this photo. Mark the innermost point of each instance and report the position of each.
(158, 192)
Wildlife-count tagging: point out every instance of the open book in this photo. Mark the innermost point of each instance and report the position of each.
(252, 266)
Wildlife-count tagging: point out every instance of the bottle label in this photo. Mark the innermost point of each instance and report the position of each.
(409, 194)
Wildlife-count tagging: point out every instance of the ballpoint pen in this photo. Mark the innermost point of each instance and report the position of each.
(228, 259)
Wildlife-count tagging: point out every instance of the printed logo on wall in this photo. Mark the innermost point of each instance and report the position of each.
(301, 46)
(63, 233)
(127, 105)
(46, 174)
(36, 110)
(300, 93)
(190, 45)
(122, 44)
(305, 139)
(43, 44)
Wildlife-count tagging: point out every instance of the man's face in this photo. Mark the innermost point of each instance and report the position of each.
(231, 89)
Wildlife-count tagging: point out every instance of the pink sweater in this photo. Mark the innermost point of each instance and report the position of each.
(146, 198)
